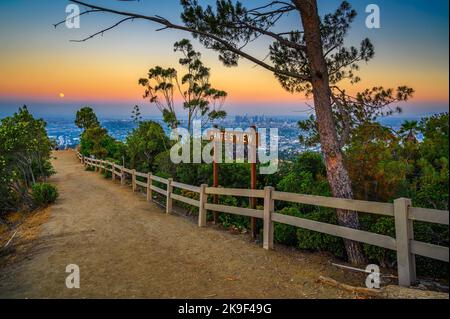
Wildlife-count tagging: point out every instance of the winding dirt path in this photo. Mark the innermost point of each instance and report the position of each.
(128, 248)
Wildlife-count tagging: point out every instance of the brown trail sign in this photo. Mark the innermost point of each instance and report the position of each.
(251, 139)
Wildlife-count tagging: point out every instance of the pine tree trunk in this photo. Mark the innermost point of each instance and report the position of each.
(337, 174)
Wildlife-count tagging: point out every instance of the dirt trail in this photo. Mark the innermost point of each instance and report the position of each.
(126, 247)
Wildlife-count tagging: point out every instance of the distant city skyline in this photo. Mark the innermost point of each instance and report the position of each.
(122, 111)
(39, 67)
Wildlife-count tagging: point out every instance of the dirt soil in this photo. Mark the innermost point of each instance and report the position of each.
(128, 248)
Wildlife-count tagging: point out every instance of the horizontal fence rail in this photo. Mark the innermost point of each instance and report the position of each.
(401, 210)
(338, 203)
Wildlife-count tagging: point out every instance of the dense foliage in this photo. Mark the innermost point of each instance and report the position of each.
(143, 145)
(25, 151)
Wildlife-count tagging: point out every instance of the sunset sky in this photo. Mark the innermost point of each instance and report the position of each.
(38, 63)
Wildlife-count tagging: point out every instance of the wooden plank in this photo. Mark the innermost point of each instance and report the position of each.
(141, 174)
(160, 179)
(242, 192)
(429, 250)
(126, 170)
(186, 187)
(169, 197)
(257, 213)
(386, 209)
(149, 188)
(268, 229)
(201, 207)
(142, 184)
(335, 230)
(406, 264)
(429, 215)
(159, 190)
(186, 200)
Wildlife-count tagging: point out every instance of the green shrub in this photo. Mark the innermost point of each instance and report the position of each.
(313, 240)
(44, 194)
(425, 232)
(383, 226)
(107, 174)
(231, 220)
(286, 234)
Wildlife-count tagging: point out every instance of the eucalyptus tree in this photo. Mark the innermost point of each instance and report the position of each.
(309, 57)
(201, 101)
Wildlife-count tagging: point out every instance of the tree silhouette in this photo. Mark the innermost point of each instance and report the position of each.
(311, 58)
(200, 99)
(136, 114)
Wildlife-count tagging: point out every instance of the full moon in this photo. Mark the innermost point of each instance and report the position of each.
(61, 95)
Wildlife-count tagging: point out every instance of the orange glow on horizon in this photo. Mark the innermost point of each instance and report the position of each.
(40, 76)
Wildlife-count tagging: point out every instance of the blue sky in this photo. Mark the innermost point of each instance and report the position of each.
(37, 62)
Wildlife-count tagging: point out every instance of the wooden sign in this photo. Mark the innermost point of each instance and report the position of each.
(251, 139)
(233, 137)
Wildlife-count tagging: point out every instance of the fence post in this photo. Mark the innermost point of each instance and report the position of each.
(113, 169)
(268, 223)
(82, 159)
(133, 180)
(149, 187)
(169, 196)
(122, 176)
(406, 263)
(201, 206)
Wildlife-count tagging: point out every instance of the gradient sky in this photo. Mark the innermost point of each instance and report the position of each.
(37, 62)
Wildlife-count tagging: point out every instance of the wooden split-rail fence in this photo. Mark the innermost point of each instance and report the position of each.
(401, 210)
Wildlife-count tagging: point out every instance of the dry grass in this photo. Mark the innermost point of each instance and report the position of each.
(27, 227)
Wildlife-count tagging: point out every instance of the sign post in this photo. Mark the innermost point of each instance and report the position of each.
(215, 176)
(236, 137)
(253, 180)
